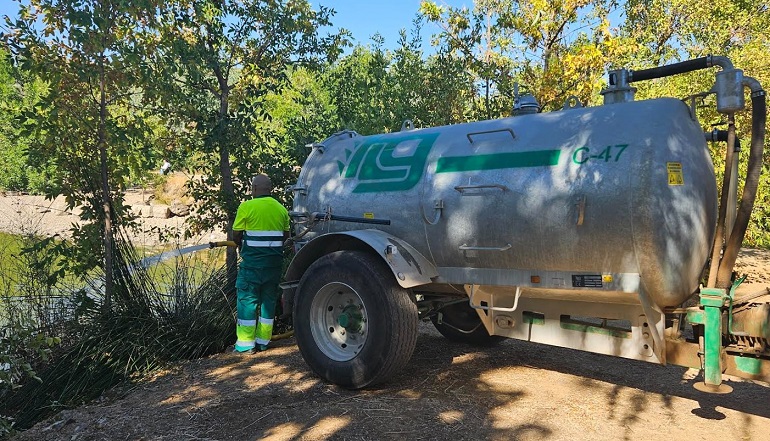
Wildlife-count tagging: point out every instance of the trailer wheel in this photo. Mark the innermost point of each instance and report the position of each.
(355, 326)
(461, 323)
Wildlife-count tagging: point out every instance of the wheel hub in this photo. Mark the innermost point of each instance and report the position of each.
(351, 318)
(338, 321)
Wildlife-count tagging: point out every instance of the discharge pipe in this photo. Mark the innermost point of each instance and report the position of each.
(680, 68)
(732, 196)
(758, 121)
(726, 202)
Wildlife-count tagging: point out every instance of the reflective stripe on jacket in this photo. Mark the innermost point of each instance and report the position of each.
(263, 221)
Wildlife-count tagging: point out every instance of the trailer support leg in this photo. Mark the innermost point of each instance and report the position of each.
(712, 300)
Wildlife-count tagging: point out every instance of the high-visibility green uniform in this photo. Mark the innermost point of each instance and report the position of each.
(263, 221)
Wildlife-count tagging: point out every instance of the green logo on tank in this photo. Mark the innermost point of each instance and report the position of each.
(397, 162)
(387, 162)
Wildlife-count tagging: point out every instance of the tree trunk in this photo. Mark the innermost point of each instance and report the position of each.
(228, 193)
(106, 203)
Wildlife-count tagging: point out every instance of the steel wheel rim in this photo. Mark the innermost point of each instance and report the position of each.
(339, 321)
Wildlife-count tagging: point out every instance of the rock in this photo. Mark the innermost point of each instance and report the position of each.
(158, 211)
(139, 210)
(161, 211)
(179, 208)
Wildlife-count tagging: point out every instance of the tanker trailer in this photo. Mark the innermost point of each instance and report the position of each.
(585, 228)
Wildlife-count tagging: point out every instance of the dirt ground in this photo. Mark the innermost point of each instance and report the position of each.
(514, 391)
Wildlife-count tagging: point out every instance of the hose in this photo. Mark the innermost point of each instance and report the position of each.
(222, 243)
(671, 69)
(679, 68)
(360, 220)
(758, 120)
(285, 335)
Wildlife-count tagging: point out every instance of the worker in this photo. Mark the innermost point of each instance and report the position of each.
(260, 229)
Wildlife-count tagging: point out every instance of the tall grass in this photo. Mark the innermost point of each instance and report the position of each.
(158, 315)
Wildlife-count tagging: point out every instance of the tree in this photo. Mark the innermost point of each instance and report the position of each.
(301, 113)
(210, 65)
(555, 49)
(79, 48)
(476, 37)
(360, 89)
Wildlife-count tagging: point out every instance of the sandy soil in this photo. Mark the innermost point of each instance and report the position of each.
(514, 391)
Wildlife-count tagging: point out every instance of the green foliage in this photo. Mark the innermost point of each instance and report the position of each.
(178, 313)
(554, 49)
(375, 90)
(12, 163)
(27, 334)
(300, 113)
(359, 87)
(18, 92)
(20, 348)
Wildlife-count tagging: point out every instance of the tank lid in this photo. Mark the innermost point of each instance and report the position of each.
(525, 105)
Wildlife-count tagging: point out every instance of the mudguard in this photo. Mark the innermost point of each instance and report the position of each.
(409, 267)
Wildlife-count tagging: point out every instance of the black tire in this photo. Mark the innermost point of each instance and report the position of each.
(354, 325)
(461, 323)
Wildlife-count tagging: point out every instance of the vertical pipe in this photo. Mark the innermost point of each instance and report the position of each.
(732, 187)
(732, 196)
(758, 120)
(721, 238)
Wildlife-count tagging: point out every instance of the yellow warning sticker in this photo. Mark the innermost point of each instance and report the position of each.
(607, 278)
(675, 176)
(368, 215)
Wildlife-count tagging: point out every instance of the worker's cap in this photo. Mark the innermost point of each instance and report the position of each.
(261, 184)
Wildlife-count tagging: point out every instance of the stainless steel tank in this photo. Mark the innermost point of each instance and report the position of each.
(622, 188)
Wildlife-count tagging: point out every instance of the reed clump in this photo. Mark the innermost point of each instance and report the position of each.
(157, 315)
